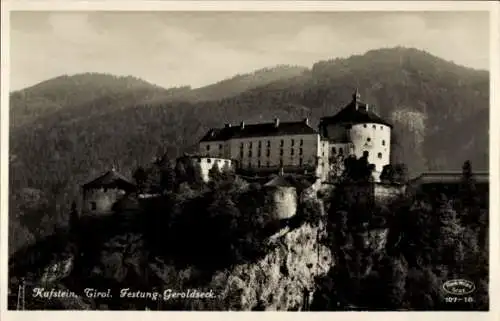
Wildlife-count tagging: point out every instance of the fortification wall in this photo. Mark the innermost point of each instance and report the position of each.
(100, 201)
(283, 202)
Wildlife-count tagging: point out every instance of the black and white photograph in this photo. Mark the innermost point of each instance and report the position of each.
(248, 160)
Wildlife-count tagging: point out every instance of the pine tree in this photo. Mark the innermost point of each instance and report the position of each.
(168, 178)
(140, 176)
(73, 218)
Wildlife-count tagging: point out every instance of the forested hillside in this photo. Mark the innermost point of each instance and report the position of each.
(67, 130)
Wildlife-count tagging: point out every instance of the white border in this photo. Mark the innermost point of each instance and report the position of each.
(125, 5)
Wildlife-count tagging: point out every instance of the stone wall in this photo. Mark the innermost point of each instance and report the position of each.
(100, 201)
(283, 202)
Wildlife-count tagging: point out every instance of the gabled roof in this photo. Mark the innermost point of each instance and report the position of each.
(259, 130)
(356, 112)
(111, 179)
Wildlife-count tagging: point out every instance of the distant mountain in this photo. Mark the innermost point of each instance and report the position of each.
(65, 92)
(241, 83)
(114, 92)
(66, 131)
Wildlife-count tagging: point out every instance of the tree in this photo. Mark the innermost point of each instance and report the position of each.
(393, 273)
(168, 178)
(387, 174)
(140, 176)
(73, 217)
(194, 175)
(180, 173)
(468, 199)
(400, 173)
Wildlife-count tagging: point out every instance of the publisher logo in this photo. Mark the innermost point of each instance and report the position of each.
(459, 287)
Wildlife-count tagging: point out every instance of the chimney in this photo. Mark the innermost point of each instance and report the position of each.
(227, 125)
(242, 125)
(306, 121)
(276, 122)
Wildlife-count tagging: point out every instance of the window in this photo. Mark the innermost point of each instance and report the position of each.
(364, 125)
(281, 161)
(268, 164)
(374, 127)
(334, 150)
(383, 142)
(268, 153)
(379, 155)
(301, 142)
(268, 143)
(282, 142)
(368, 139)
(208, 148)
(258, 163)
(260, 144)
(241, 153)
(293, 142)
(250, 153)
(381, 127)
(258, 153)
(220, 146)
(281, 152)
(209, 160)
(249, 164)
(341, 151)
(301, 151)
(250, 146)
(300, 161)
(93, 206)
(291, 151)
(241, 146)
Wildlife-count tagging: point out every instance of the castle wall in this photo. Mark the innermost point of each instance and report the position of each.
(217, 149)
(275, 151)
(206, 164)
(100, 201)
(385, 193)
(376, 140)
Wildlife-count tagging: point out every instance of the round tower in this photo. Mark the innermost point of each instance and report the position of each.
(363, 129)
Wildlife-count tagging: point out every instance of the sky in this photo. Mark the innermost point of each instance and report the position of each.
(198, 48)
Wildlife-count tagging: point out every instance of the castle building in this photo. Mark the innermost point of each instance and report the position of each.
(296, 146)
(102, 193)
(360, 130)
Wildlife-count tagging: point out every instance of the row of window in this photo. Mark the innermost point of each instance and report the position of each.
(209, 160)
(268, 164)
(368, 139)
(268, 152)
(373, 126)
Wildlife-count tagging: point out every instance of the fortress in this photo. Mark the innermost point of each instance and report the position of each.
(298, 147)
(283, 148)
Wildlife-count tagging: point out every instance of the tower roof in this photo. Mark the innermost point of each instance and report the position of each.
(111, 179)
(356, 112)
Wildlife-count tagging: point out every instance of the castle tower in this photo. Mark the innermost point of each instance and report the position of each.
(359, 126)
(102, 193)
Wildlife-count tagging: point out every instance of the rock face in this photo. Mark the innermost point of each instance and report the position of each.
(284, 279)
